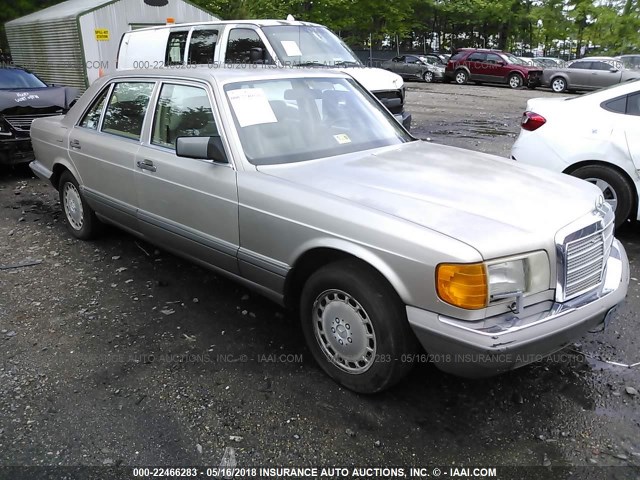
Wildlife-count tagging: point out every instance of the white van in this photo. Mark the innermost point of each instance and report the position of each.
(281, 43)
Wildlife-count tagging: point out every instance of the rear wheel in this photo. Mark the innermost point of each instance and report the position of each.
(515, 80)
(461, 77)
(558, 84)
(79, 217)
(616, 189)
(356, 327)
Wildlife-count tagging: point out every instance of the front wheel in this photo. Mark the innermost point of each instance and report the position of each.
(616, 189)
(515, 81)
(356, 327)
(427, 77)
(79, 217)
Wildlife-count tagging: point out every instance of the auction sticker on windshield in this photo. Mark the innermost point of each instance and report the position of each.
(251, 106)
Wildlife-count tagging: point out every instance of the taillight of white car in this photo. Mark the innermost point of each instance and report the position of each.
(532, 121)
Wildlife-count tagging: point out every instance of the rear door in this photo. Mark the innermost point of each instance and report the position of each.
(477, 67)
(103, 147)
(188, 205)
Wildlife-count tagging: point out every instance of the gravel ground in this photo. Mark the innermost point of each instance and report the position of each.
(116, 354)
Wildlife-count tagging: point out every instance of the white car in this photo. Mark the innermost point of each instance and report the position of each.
(594, 137)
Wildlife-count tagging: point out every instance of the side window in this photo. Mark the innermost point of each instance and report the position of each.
(493, 59)
(240, 43)
(601, 66)
(201, 46)
(581, 65)
(91, 119)
(182, 111)
(633, 104)
(175, 48)
(126, 109)
(476, 57)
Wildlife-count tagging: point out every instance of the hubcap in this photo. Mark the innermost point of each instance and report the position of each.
(428, 77)
(73, 206)
(344, 331)
(515, 82)
(558, 85)
(461, 77)
(608, 192)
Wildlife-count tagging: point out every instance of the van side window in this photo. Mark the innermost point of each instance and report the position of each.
(182, 111)
(175, 48)
(92, 117)
(126, 109)
(240, 43)
(202, 46)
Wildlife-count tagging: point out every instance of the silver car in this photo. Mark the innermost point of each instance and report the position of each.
(429, 68)
(589, 73)
(301, 185)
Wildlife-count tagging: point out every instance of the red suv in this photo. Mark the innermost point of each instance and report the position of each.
(491, 66)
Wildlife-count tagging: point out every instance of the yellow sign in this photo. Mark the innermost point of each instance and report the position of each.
(102, 34)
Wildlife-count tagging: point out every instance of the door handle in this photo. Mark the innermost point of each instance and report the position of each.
(74, 144)
(146, 165)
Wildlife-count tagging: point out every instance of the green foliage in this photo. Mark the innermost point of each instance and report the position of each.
(607, 26)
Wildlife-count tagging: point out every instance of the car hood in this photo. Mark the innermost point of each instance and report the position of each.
(490, 203)
(44, 97)
(374, 79)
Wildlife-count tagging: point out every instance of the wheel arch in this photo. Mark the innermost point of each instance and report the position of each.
(600, 163)
(312, 259)
(58, 169)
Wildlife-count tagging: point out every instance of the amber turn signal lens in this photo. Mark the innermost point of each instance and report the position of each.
(463, 285)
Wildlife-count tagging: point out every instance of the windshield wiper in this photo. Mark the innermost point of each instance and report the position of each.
(313, 63)
(347, 63)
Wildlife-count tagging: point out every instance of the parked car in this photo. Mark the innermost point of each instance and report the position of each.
(630, 62)
(250, 43)
(429, 68)
(300, 184)
(24, 97)
(491, 66)
(593, 137)
(549, 62)
(589, 73)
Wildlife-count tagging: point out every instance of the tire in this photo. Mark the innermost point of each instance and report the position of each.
(80, 219)
(461, 77)
(558, 84)
(515, 81)
(427, 76)
(349, 302)
(617, 190)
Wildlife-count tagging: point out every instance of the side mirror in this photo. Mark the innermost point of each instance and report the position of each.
(203, 148)
(613, 70)
(256, 55)
(501, 63)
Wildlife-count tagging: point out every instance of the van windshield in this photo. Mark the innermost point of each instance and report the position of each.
(309, 45)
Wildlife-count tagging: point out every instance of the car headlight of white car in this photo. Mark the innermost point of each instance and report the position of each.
(478, 285)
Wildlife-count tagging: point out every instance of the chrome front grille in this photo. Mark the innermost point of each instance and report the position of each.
(22, 123)
(583, 255)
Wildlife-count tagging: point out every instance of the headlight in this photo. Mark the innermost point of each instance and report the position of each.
(477, 285)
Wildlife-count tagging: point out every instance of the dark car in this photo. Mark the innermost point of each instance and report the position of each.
(491, 66)
(23, 98)
(429, 68)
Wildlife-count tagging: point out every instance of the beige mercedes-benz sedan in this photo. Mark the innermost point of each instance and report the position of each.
(301, 185)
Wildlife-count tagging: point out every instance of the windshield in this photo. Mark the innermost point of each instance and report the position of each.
(298, 119)
(309, 45)
(513, 59)
(631, 61)
(17, 78)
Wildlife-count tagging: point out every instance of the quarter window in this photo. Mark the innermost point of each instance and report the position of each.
(240, 43)
(182, 111)
(126, 110)
(202, 46)
(633, 104)
(175, 48)
(91, 119)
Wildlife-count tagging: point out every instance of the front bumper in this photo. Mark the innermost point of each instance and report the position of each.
(471, 349)
(404, 118)
(534, 81)
(14, 151)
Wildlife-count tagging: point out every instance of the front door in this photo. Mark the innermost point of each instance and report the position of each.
(189, 205)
